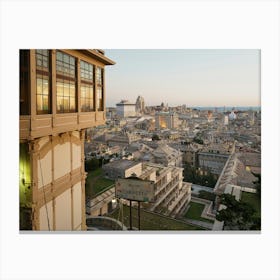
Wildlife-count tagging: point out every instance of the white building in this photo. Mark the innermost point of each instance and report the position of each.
(126, 109)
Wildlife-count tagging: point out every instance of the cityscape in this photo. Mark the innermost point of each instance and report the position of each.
(140, 140)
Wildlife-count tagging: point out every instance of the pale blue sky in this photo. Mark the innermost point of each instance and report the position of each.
(191, 77)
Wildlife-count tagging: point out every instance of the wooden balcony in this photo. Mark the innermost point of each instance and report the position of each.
(32, 127)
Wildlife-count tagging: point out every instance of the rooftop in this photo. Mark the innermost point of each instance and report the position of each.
(121, 164)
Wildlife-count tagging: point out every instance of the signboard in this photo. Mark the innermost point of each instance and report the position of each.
(135, 189)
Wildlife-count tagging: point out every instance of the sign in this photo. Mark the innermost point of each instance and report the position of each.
(135, 189)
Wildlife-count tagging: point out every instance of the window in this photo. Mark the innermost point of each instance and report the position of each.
(99, 81)
(87, 87)
(65, 83)
(24, 83)
(43, 82)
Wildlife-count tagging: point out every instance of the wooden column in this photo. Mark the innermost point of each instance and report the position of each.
(53, 84)
(34, 157)
(83, 179)
(33, 107)
(78, 86)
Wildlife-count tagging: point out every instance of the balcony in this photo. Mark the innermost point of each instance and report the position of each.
(51, 124)
(165, 195)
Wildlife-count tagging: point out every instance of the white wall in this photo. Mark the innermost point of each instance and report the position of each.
(77, 205)
(137, 169)
(76, 155)
(44, 167)
(63, 211)
(44, 217)
(62, 163)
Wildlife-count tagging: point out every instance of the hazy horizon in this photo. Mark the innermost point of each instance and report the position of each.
(195, 78)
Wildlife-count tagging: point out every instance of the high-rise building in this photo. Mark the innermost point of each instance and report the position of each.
(140, 105)
(62, 93)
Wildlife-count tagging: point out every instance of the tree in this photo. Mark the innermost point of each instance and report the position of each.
(257, 183)
(237, 215)
(155, 137)
(191, 174)
(91, 164)
(198, 140)
(206, 195)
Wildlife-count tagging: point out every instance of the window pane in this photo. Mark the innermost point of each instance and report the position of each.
(45, 87)
(72, 90)
(86, 71)
(83, 92)
(66, 58)
(45, 63)
(39, 103)
(45, 102)
(72, 104)
(87, 91)
(72, 60)
(66, 89)
(59, 88)
(42, 81)
(39, 85)
(59, 102)
(58, 56)
(39, 61)
(66, 104)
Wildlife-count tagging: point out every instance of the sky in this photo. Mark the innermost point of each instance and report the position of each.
(183, 76)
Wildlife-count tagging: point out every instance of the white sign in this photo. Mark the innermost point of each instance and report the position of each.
(135, 189)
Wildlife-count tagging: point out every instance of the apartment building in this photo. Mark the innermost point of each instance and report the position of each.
(172, 195)
(165, 120)
(62, 93)
(215, 156)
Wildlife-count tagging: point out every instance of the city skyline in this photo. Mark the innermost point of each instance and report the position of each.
(192, 77)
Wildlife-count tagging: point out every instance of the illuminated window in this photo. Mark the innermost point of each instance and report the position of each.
(43, 82)
(65, 83)
(87, 87)
(24, 83)
(99, 82)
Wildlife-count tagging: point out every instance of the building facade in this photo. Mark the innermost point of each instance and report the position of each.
(172, 195)
(215, 156)
(126, 109)
(122, 169)
(140, 105)
(62, 93)
(165, 120)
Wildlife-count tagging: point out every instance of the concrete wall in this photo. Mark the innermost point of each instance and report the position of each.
(137, 169)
